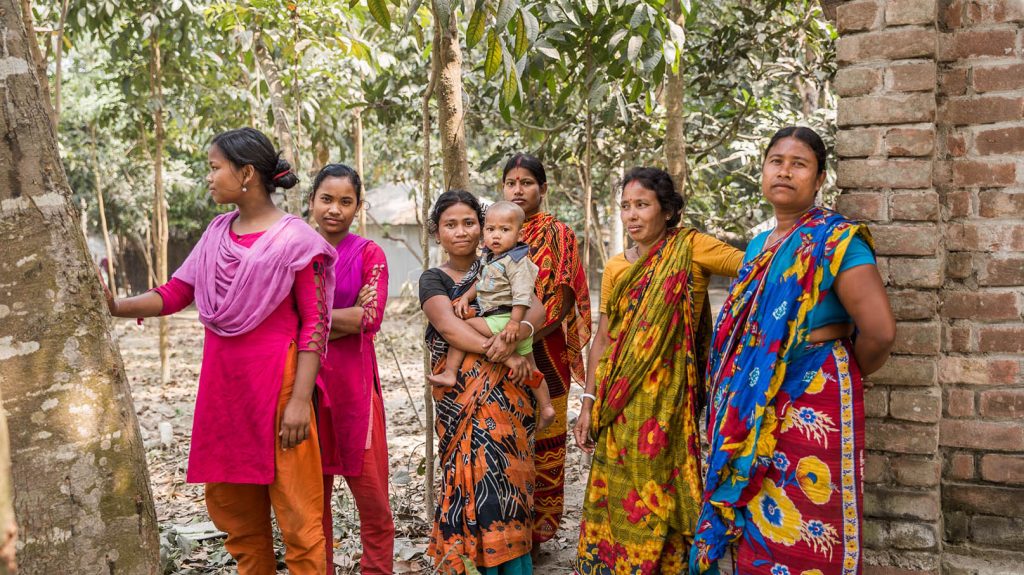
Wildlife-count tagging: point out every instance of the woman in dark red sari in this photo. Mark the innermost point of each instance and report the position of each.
(562, 288)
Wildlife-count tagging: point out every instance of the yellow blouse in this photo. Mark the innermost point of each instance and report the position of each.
(710, 257)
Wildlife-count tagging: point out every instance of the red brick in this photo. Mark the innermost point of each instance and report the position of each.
(956, 145)
(980, 110)
(916, 471)
(1000, 141)
(982, 435)
(1005, 532)
(915, 404)
(876, 466)
(914, 206)
(960, 203)
(968, 173)
(1004, 371)
(886, 109)
(953, 82)
(909, 142)
(904, 370)
(984, 499)
(958, 338)
(865, 207)
(893, 503)
(904, 240)
(901, 12)
(913, 304)
(961, 466)
(994, 11)
(858, 142)
(897, 44)
(980, 305)
(857, 81)
(916, 338)
(999, 468)
(1002, 404)
(876, 402)
(1000, 204)
(857, 16)
(915, 272)
(1001, 339)
(998, 78)
(985, 236)
(884, 174)
(952, 14)
(974, 43)
(959, 265)
(902, 437)
(912, 77)
(1002, 270)
(960, 403)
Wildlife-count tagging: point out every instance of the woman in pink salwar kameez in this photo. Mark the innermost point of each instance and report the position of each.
(262, 281)
(352, 434)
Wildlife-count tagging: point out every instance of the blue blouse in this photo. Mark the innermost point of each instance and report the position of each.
(828, 310)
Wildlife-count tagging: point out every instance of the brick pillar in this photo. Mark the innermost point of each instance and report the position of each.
(886, 147)
(980, 177)
(931, 154)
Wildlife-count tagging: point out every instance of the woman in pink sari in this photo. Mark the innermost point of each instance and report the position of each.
(262, 281)
(353, 439)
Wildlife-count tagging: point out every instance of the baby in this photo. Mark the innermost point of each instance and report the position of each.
(503, 290)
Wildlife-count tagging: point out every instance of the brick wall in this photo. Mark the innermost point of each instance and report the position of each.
(931, 153)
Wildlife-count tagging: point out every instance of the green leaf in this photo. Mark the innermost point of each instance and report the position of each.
(521, 41)
(532, 26)
(492, 63)
(477, 27)
(592, 6)
(413, 8)
(505, 11)
(677, 34)
(509, 88)
(639, 16)
(379, 11)
(633, 49)
(549, 52)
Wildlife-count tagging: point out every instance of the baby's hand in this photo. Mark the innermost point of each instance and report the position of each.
(511, 332)
(461, 308)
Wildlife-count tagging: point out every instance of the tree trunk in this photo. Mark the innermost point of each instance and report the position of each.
(160, 232)
(450, 114)
(675, 116)
(37, 56)
(428, 398)
(58, 60)
(282, 128)
(98, 183)
(588, 190)
(357, 148)
(82, 493)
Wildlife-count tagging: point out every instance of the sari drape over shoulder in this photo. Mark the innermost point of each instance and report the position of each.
(644, 489)
(484, 427)
(785, 422)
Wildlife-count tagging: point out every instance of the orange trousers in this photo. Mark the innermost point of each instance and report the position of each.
(296, 495)
(370, 491)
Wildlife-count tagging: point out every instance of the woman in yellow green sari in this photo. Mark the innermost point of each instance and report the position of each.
(639, 413)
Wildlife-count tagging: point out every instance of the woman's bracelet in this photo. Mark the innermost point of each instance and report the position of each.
(586, 395)
(531, 327)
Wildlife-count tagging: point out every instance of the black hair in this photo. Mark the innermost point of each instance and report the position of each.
(250, 147)
(805, 135)
(449, 199)
(659, 182)
(339, 171)
(527, 162)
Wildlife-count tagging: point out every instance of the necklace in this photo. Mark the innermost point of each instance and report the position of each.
(455, 269)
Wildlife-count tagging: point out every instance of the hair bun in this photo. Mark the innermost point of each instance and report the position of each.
(283, 176)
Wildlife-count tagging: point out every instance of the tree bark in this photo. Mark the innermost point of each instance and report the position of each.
(357, 149)
(425, 201)
(98, 183)
(282, 127)
(79, 471)
(160, 232)
(450, 114)
(675, 116)
(58, 60)
(37, 56)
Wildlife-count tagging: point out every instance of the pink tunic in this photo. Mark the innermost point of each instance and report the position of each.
(349, 372)
(241, 376)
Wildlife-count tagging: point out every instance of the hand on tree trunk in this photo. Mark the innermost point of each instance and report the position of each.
(8, 541)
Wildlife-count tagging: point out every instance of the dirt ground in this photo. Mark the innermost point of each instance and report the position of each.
(190, 544)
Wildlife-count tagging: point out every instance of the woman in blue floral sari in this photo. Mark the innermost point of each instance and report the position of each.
(807, 317)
